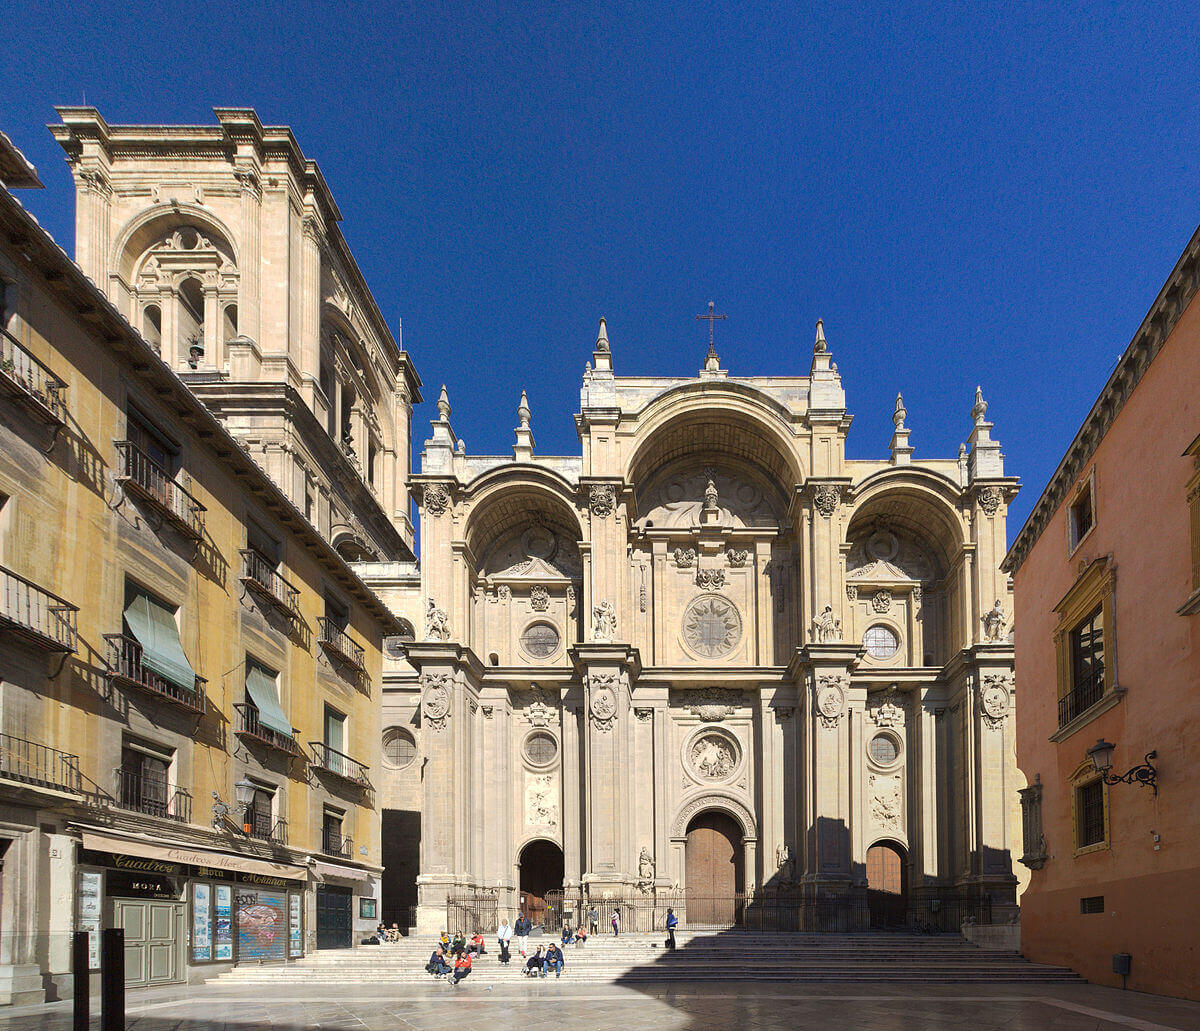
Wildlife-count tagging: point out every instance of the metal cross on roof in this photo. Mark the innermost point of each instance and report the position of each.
(710, 318)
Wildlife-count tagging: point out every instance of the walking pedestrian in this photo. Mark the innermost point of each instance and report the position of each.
(672, 923)
(616, 923)
(503, 936)
(521, 930)
(594, 920)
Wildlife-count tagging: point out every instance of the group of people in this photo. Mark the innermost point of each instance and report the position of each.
(460, 949)
(388, 934)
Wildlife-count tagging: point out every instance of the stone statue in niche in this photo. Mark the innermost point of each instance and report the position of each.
(437, 623)
(645, 871)
(604, 622)
(827, 628)
(994, 623)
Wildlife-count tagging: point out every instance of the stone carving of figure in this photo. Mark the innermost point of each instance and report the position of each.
(645, 870)
(437, 623)
(713, 758)
(994, 623)
(783, 862)
(604, 622)
(827, 628)
(710, 497)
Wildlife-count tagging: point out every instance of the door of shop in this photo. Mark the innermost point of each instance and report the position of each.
(153, 940)
(335, 926)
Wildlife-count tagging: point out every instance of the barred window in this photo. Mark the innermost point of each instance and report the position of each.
(1089, 802)
(399, 748)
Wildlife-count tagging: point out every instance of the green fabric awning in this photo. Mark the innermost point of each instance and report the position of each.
(265, 696)
(162, 653)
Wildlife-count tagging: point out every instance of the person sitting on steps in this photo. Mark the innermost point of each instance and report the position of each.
(581, 937)
(437, 964)
(555, 961)
(533, 965)
(475, 946)
(462, 967)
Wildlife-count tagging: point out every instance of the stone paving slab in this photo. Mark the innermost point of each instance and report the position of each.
(560, 1006)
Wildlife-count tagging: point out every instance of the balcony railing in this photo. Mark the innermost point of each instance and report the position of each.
(261, 576)
(37, 615)
(154, 796)
(334, 843)
(125, 667)
(151, 481)
(1078, 700)
(30, 381)
(40, 765)
(264, 829)
(248, 725)
(339, 764)
(334, 639)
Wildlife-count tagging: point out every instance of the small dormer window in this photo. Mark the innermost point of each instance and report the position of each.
(1081, 514)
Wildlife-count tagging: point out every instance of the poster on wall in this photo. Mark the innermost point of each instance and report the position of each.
(201, 923)
(295, 947)
(89, 914)
(261, 924)
(224, 908)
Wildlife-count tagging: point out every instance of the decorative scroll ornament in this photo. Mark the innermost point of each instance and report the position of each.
(685, 558)
(714, 703)
(539, 598)
(783, 713)
(890, 710)
(990, 499)
(737, 557)
(437, 623)
(504, 592)
(488, 711)
(710, 579)
(435, 705)
(437, 499)
(831, 700)
(994, 623)
(827, 628)
(886, 805)
(538, 709)
(541, 806)
(603, 500)
(604, 700)
(644, 714)
(826, 498)
(604, 622)
(994, 695)
(881, 601)
(851, 592)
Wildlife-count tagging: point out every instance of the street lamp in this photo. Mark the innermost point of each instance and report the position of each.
(1143, 774)
(243, 792)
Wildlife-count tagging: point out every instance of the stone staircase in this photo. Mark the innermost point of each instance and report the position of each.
(735, 956)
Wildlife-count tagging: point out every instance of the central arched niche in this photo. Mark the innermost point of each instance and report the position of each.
(673, 496)
(528, 577)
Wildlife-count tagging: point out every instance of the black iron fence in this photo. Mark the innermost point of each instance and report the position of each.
(37, 614)
(142, 792)
(34, 763)
(260, 573)
(466, 914)
(141, 474)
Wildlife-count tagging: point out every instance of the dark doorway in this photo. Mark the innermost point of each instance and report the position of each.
(715, 872)
(541, 873)
(401, 864)
(887, 885)
(334, 920)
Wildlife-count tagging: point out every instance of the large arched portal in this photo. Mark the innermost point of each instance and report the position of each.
(715, 870)
(887, 885)
(541, 873)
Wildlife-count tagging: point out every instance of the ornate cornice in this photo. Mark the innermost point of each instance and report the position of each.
(1159, 323)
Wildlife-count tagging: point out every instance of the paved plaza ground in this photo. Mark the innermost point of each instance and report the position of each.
(560, 1006)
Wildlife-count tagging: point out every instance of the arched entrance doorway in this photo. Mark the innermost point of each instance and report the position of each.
(887, 884)
(715, 870)
(541, 865)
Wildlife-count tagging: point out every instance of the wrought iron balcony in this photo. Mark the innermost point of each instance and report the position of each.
(155, 796)
(38, 616)
(260, 575)
(334, 639)
(28, 380)
(336, 844)
(339, 764)
(150, 481)
(39, 765)
(1078, 700)
(126, 669)
(248, 725)
(262, 828)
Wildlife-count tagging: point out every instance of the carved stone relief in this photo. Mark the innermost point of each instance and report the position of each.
(685, 558)
(539, 598)
(826, 499)
(712, 626)
(603, 707)
(713, 756)
(541, 802)
(831, 699)
(437, 499)
(881, 601)
(885, 800)
(603, 500)
(889, 708)
(994, 696)
(851, 592)
(679, 500)
(437, 623)
(827, 628)
(713, 703)
(990, 499)
(436, 698)
(737, 557)
(710, 579)
(604, 623)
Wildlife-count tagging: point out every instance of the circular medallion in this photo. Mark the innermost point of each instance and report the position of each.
(539, 542)
(995, 701)
(712, 626)
(540, 640)
(713, 755)
(437, 702)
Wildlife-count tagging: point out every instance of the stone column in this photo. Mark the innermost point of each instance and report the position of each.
(93, 229)
(309, 359)
(572, 767)
(249, 302)
(450, 676)
(608, 672)
(211, 338)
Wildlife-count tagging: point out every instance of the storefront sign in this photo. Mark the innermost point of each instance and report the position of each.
(295, 945)
(89, 913)
(129, 884)
(201, 924)
(366, 909)
(262, 923)
(240, 877)
(224, 894)
(134, 864)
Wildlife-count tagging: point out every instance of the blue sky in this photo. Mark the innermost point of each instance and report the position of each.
(966, 193)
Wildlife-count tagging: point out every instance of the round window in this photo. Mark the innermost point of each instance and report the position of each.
(883, 749)
(540, 640)
(541, 749)
(399, 748)
(881, 642)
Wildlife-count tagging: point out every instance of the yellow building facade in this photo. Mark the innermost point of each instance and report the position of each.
(189, 668)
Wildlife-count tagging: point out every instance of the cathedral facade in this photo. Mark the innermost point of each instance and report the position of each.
(707, 655)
